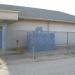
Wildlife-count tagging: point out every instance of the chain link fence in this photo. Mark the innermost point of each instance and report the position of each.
(64, 44)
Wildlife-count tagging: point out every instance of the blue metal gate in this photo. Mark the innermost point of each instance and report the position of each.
(40, 41)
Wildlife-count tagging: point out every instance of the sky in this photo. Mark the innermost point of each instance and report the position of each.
(67, 6)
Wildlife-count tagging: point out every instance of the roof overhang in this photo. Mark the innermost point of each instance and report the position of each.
(48, 20)
(8, 15)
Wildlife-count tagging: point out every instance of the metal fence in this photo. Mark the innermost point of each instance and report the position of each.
(64, 45)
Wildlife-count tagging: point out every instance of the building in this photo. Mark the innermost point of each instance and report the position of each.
(16, 21)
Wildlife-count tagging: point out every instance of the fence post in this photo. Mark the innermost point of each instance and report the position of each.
(67, 39)
(67, 43)
(33, 47)
(33, 53)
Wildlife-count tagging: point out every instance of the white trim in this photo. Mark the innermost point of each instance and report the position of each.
(43, 19)
(9, 11)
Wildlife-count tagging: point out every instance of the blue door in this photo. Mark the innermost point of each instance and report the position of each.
(0, 39)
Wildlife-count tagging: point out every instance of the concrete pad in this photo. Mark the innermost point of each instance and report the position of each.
(54, 67)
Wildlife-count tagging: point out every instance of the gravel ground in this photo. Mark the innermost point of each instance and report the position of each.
(53, 67)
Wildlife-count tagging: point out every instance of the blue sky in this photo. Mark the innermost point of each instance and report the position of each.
(67, 6)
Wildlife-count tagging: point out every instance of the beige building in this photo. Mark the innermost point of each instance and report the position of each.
(16, 21)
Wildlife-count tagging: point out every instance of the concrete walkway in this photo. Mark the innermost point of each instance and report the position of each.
(53, 67)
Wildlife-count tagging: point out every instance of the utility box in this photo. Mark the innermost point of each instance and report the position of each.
(40, 40)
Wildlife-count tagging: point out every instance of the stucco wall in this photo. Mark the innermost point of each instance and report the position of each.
(61, 27)
(28, 25)
(18, 31)
(61, 30)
